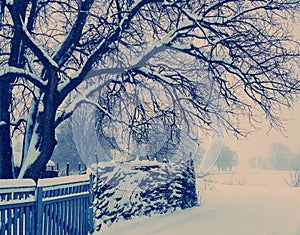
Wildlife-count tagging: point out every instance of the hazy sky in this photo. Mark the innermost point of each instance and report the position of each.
(258, 144)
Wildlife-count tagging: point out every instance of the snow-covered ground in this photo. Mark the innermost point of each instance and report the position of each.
(254, 202)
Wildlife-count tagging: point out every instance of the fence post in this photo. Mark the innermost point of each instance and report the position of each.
(91, 224)
(68, 169)
(39, 210)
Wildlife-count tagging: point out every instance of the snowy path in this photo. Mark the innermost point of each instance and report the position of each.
(227, 210)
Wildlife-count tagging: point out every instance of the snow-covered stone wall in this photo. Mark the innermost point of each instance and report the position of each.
(124, 191)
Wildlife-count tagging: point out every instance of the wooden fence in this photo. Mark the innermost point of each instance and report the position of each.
(54, 206)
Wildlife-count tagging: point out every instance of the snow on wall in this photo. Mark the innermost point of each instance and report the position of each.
(127, 192)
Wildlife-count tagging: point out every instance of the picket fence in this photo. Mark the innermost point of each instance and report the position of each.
(55, 206)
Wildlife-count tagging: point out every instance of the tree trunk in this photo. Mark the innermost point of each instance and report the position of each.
(34, 170)
(45, 129)
(16, 59)
(45, 133)
(6, 167)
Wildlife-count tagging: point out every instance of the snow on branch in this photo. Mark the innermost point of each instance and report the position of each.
(68, 46)
(83, 98)
(136, 63)
(103, 48)
(43, 56)
(22, 73)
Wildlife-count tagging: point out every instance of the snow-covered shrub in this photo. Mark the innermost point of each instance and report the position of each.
(125, 191)
(294, 178)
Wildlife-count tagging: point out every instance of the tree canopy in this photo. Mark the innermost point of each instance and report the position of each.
(227, 159)
(182, 63)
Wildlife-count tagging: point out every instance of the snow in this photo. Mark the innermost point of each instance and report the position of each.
(138, 162)
(21, 72)
(2, 123)
(9, 2)
(231, 208)
(31, 155)
(61, 197)
(62, 180)
(168, 2)
(50, 163)
(17, 183)
(17, 159)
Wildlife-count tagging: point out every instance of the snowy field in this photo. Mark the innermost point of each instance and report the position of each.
(253, 202)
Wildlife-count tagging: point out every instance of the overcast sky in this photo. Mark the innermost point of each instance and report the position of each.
(258, 144)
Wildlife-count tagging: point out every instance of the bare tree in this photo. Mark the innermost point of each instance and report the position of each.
(237, 53)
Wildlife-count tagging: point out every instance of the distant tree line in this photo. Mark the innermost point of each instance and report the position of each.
(227, 159)
(280, 157)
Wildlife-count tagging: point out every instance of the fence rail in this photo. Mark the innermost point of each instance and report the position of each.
(52, 207)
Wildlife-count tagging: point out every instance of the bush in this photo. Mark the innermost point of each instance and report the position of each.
(294, 178)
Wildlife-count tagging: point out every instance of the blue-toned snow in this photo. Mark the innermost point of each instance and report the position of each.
(261, 205)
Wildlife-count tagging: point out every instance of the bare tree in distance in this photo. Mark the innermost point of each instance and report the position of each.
(280, 157)
(241, 54)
